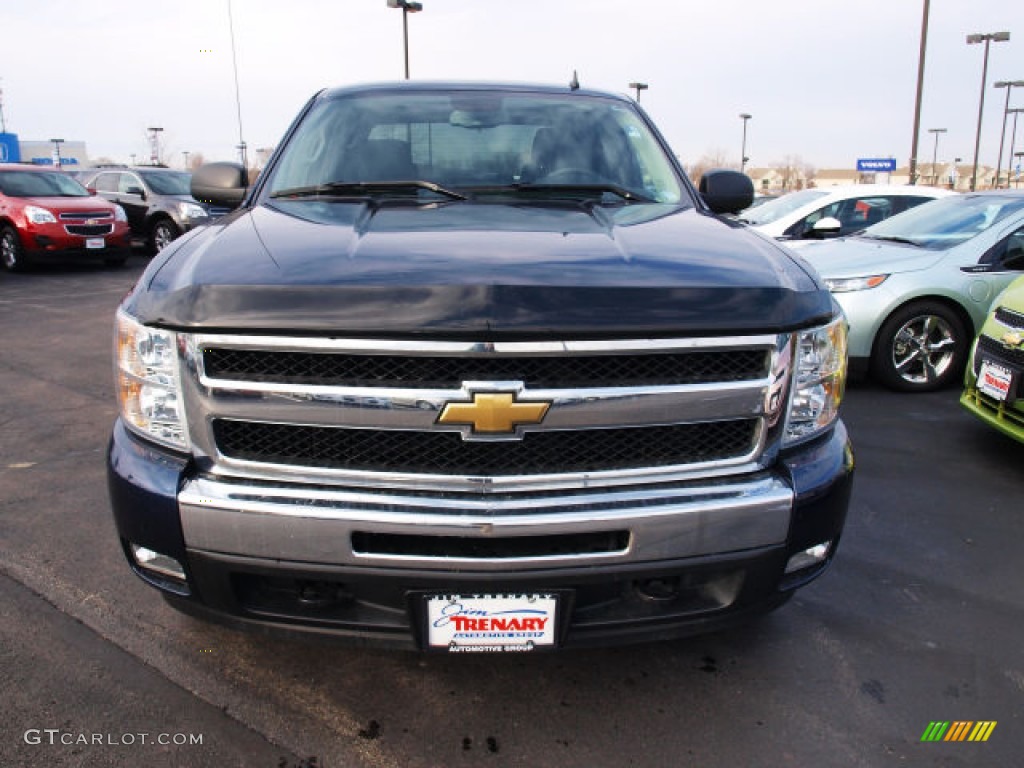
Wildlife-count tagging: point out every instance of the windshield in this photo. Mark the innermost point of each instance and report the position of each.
(946, 222)
(168, 182)
(773, 210)
(40, 184)
(483, 142)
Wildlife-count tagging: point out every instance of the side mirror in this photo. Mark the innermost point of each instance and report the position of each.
(825, 227)
(223, 185)
(91, 191)
(726, 191)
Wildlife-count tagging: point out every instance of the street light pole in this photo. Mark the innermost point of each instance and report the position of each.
(154, 145)
(407, 7)
(1009, 85)
(743, 148)
(986, 38)
(1013, 145)
(638, 87)
(56, 153)
(920, 88)
(935, 153)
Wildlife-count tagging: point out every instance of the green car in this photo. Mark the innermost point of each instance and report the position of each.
(994, 382)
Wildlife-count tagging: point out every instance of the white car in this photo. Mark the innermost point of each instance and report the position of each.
(816, 214)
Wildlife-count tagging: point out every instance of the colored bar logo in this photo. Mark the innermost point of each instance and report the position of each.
(959, 730)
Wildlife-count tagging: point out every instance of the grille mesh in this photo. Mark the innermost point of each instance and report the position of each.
(89, 229)
(447, 453)
(1010, 318)
(998, 353)
(572, 371)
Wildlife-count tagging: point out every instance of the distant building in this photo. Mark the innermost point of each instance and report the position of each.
(72, 153)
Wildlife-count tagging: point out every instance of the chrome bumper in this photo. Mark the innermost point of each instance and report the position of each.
(316, 525)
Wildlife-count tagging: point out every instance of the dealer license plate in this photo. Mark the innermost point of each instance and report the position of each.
(995, 380)
(491, 623)
(95, 242)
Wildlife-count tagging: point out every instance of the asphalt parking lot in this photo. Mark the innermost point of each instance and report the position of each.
(919, 620)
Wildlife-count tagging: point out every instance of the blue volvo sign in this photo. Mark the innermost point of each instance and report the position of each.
(10, 151)
(876, 164)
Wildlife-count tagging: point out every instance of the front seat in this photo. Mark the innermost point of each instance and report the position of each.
(385, 160)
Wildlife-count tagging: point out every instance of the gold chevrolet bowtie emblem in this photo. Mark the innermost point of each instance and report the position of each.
(1012, 339)
(493, 413)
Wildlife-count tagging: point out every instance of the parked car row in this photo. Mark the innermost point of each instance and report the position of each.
(93, 213)
(157, 201)
(45, 214)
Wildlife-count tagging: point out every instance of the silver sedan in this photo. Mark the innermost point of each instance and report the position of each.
(915, 288)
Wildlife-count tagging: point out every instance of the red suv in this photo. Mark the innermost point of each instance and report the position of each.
(44, 213)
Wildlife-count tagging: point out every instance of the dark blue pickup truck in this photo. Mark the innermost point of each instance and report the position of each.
(474, 368)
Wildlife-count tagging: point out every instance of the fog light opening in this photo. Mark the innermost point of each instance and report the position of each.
(809, 557)
(658, 590)
(154, 562)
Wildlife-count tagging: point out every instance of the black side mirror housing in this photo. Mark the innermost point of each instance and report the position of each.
(726, 191)
(223, 185)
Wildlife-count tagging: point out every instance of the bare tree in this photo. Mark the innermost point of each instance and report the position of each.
(795, 173)
(708, 161)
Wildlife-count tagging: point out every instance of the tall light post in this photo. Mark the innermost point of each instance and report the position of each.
(407, 7)
(743, 148)
(986, 38)
(920, 88)
(1009, 85)
(154, 145)
(1013, 144)
(186, 153)
(56, 152)
(935, 153)
(638, 87)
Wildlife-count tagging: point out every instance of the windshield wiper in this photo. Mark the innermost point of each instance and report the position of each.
(364, 188)
(893, 239)
(587, 189)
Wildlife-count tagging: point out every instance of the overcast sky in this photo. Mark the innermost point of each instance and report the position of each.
(828, 81)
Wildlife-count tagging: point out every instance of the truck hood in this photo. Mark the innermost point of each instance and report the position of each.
(477, 270)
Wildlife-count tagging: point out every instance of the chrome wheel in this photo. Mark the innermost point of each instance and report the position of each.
(920, 347)
(923, 349)
(164, 232)
(10, 250)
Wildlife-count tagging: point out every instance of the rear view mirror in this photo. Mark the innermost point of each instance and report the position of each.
(726, 191)
(220, 184)
(825, 227)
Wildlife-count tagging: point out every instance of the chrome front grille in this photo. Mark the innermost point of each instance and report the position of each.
(346, 370)
(86, 215)
(370, 413)
(559, 452)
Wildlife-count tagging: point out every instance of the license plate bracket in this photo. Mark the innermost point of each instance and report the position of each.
(508, 622)
(996, 380)
(95, 243)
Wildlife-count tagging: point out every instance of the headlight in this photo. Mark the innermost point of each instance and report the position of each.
(148, 383)
(119, 214)
(39, 215)
(192, 211)
(847, 284)
(818, 381)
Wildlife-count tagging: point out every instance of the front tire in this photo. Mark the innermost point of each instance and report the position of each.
(920, 348)
(12, 254)
(163, 234)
